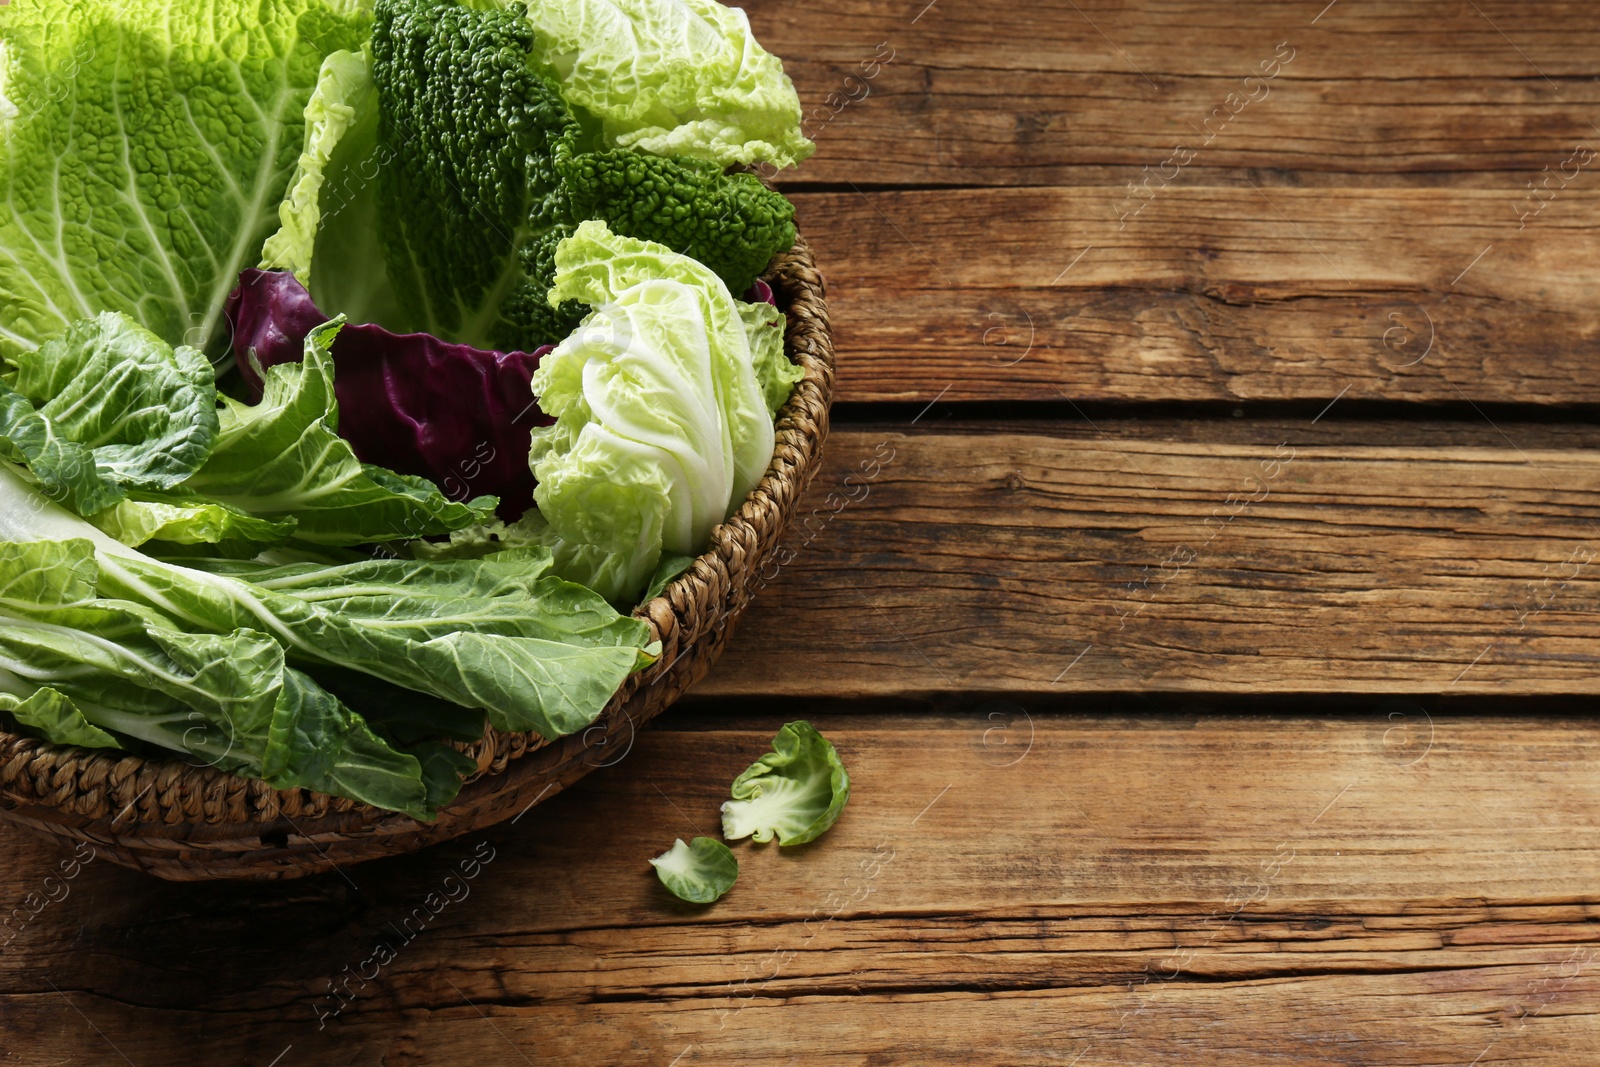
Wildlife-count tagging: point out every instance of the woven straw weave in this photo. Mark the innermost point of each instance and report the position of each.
(189, 823)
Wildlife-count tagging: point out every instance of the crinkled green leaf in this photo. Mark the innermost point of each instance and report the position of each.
(698, 872)
(105, 407)
(533, 651)
(796, 791)
(433, 205)
(65, 470)
(146, 410)
(226, 699)
(603, 507)
(284, 458)
(147, 146)
(56, 718)
(672, 77)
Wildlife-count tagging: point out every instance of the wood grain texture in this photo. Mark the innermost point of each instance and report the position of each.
(1060, 93)
(1210, 295)
(992, 563)
(1013, 885)
(1010, 890)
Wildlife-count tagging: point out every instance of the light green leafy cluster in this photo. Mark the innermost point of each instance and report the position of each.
(231, 661)
(672, 77)
(484, 171)
(227, 660)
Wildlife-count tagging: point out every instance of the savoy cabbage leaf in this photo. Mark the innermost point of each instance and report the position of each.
(146, 149)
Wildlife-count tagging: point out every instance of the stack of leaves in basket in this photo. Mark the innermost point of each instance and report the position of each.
(365, 363)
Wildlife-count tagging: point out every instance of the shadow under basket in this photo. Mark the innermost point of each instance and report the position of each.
(188, 823)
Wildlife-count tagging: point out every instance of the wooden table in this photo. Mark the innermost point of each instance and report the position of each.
(1210, 626)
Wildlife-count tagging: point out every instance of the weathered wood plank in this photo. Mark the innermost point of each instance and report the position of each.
(1211, 294)
(1053, 92)
(1032, 564)
(1417, 1020)
(1462, 428)
(1001, 890)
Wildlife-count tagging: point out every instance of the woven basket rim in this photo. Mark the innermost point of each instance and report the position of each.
(115, 792)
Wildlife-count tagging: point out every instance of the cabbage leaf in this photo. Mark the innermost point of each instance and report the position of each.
(53, 714)
(228, 699)
(181, 518)
(662, 427)
(534, 651)
(672, 77)
(796, 791)
(698, 872)
(125, 636)
(106, 406)
(146, 149)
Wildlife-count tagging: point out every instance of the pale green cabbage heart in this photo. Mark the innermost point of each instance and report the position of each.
(662, 423)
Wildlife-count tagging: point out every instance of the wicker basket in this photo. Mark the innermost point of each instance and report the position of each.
(188, 823)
